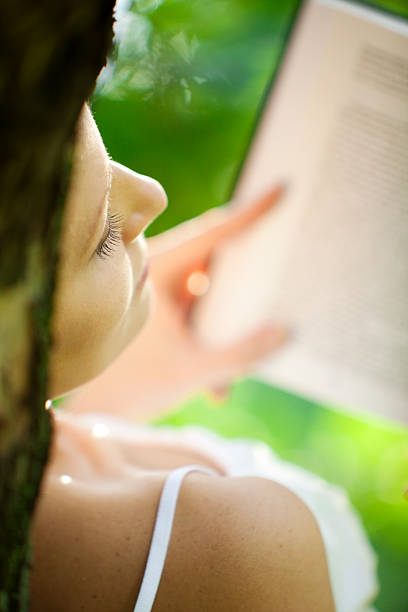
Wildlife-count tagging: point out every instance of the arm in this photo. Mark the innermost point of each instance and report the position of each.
(288, 570)
(237, 544)
(245, 544)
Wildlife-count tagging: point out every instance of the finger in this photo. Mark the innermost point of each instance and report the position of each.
(192, 245)
(201, 234)
(239, 357)
(236, 217)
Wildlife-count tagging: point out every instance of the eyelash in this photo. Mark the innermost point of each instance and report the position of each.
(113, 236)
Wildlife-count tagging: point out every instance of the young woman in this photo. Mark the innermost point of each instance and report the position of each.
(120, 524)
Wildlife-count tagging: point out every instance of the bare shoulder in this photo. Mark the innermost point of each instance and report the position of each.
(244, 544)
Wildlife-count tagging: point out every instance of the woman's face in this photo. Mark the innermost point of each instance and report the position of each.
(102, 297)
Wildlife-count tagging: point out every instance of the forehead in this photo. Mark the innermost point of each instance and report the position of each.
(90, 178)
(89, 153)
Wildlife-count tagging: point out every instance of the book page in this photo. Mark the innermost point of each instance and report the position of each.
(331, 260)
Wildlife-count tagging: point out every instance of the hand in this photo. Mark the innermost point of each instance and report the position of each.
(174, 256)
(166, 362)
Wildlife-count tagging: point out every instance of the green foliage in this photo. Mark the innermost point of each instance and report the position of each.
(184, 92)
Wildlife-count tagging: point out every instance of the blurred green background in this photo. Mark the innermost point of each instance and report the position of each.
(178, 102)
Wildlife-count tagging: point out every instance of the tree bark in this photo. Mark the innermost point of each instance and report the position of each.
(51, 52)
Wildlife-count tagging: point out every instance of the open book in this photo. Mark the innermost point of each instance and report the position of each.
(331, 260)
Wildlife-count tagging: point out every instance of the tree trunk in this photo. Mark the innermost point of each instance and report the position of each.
(51, 52)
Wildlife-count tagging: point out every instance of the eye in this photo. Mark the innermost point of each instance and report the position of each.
(113, 236)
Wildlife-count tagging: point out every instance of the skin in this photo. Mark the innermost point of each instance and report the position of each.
(97, 296)
(256, 544)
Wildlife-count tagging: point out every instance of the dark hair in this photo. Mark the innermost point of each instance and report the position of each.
(50, 55)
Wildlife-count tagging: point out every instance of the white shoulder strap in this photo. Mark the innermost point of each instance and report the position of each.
(161, 535)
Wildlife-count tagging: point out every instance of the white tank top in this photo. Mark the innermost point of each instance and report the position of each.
(161, 535)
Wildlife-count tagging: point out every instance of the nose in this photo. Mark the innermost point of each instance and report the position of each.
(138, 198)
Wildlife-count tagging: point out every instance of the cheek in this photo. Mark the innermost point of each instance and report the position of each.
(102, 299)
(90, 310)
(96, 314)
(109, 291)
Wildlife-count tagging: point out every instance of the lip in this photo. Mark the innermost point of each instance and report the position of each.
(142, 278)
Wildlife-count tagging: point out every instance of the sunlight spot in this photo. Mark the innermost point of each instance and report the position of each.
(65, 479)
(187, 96)
(184, 47)
(148, 6)
(198, 283)
(48, 404)
(100, 430)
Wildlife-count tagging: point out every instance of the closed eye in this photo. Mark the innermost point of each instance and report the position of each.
(112, 237)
